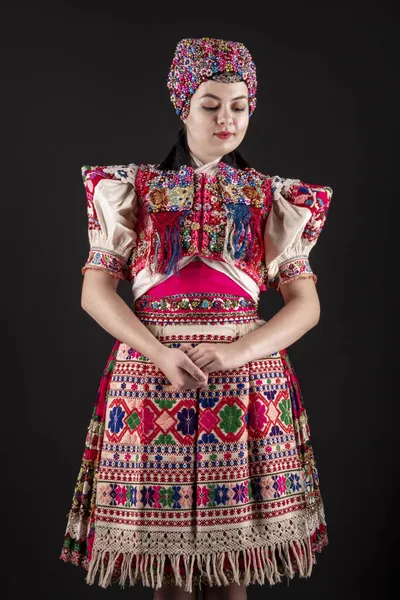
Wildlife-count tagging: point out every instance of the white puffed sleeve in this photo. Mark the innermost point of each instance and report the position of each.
(112, 216)
(296, 219)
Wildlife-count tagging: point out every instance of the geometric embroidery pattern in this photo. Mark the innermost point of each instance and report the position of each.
(198, 486)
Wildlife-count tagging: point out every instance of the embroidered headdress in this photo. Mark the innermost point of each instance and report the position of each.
(199, 59)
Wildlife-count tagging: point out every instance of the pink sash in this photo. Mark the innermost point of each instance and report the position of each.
(197, 276)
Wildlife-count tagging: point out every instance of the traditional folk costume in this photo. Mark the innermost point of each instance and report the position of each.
(215, 484)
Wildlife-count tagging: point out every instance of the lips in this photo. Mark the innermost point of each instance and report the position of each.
(224, 135)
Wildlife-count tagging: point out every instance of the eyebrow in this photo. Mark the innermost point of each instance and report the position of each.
(218, 98)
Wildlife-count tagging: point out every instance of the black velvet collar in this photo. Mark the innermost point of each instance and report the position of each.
(179, 156)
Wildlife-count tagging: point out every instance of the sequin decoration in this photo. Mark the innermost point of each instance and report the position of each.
(198, 59)
(207, 308)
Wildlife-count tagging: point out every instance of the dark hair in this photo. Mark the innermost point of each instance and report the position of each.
(179, 155)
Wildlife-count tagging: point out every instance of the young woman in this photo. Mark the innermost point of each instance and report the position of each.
(198, 470)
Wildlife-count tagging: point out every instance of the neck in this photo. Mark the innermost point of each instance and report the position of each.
(196, 162)
(200, 158)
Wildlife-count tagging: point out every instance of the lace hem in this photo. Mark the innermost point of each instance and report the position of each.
(259, 553)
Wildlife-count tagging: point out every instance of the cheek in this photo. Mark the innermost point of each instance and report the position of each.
(242, 125)
(201, 121)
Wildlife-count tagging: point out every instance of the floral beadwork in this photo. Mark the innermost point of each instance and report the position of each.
(246, 186)
(195, 301)
(181, 213)
(220, 216)
(198, 59)
(171, 190)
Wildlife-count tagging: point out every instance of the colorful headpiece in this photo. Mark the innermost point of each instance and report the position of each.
(199, 59)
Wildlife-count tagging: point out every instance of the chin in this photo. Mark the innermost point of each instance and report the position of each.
(225, 146)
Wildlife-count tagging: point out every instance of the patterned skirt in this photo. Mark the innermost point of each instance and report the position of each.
(207, 486)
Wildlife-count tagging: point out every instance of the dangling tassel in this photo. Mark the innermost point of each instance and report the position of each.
(168, 249)
(240, 218)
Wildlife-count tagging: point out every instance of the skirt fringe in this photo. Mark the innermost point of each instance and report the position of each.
(247, 566)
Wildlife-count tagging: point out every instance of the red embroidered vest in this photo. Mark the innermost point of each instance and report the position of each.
(221, 217)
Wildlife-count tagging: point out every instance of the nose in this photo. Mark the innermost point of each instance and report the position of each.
(224, 117)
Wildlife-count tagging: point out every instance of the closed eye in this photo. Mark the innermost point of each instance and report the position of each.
(216, 108)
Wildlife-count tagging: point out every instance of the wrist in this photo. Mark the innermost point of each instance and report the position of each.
(157, 352)
(243, 349)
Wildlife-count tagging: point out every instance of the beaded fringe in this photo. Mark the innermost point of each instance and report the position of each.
(265, 568)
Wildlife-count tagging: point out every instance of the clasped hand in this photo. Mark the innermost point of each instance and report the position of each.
(188, 368)
(215, 357)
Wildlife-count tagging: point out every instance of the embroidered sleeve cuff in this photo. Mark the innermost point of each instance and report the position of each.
(105, 260)
(295, 268)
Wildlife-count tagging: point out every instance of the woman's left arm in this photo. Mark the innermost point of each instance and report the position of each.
(300, 314)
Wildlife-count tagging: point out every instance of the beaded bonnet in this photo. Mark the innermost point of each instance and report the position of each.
(199, 59)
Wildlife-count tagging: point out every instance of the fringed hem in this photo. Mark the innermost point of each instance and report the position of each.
(244, 566)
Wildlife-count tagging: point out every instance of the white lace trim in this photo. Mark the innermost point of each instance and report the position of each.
(282, 536)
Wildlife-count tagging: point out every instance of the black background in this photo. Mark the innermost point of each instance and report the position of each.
(86, 84)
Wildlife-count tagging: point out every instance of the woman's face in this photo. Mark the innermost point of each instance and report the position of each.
(217, 107)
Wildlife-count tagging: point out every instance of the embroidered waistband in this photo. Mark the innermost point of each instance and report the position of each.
(196, 307)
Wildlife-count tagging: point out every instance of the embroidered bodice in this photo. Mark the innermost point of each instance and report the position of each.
(145, 223)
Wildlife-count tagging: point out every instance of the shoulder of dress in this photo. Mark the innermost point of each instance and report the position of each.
(150, 176)
(296, 183)
(298, 191)
(124, 173)
(247, 176)
(155, 168)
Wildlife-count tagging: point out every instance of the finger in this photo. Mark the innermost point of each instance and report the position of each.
(200, 376)
(212, 366)
(190, 361)
(199, 347)
(190, 353)
(202, 361)
(194, 371)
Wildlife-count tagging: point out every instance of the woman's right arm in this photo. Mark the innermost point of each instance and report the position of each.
(112, 217)
(102, 302)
